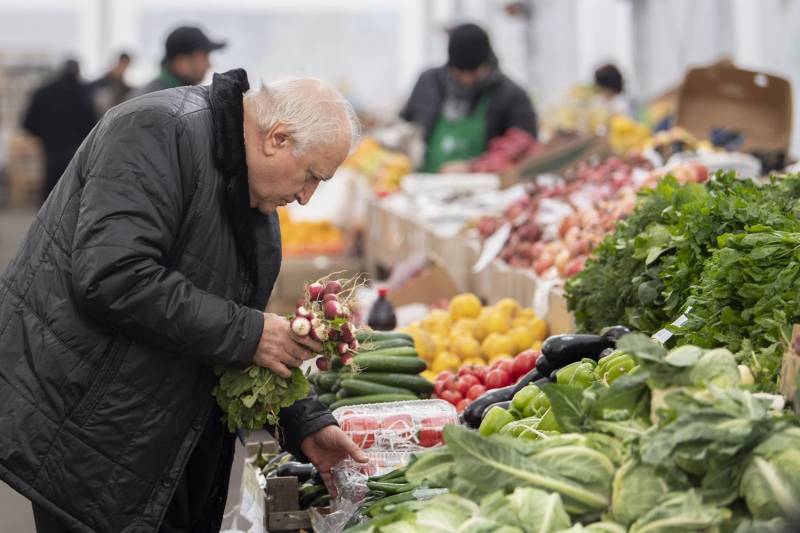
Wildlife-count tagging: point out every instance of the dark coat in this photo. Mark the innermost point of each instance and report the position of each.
(133, 281)
(61, 114)
(509, 106)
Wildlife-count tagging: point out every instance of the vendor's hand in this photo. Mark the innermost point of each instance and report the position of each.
(328, 447)
(280, 349)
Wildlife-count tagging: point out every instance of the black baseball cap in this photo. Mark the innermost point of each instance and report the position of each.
(469, 47)
(189, 39)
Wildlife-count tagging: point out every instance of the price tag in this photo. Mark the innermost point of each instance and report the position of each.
(665, 334)
(492, 247)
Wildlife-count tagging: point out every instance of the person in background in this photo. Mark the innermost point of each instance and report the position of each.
(467, 102)
(185, 62)
(60, 114)
(111, 89)
(610, 85)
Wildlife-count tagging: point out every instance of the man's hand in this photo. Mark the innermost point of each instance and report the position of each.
(326, 448)
(280, 349)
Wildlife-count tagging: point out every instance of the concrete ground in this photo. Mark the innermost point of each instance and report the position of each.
(15, 510)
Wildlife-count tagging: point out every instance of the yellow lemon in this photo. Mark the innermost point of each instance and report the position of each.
(500, 357)
(480, 331)
(497, 322)
(425, 345)
(509, 307)
(430, 375)
(526, 312)
(537, 345)
(441, 341)
(437, 321)
(446, 361)
(496, 344)
(466, 347)
(465, 305)
(473, 361)
(522, 337)
(538, 329)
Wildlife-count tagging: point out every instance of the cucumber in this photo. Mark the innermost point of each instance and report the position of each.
(388, 343)
(369, 335)
(326, 380)
(411, 382)
(357, 387)
(327, 399)
(400, 364)
(376, 398)
(342, 394)
(405, 351)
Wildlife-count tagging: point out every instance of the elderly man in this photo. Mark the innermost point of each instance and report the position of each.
(150, 263)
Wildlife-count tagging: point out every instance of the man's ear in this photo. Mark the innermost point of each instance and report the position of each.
(277, 138)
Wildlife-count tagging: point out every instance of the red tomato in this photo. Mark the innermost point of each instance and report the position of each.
(453, 383)
(475, 391)
(467, 382)
(498, 378)
(438, 387)
(401, 425)
(524, 362)
(463, 404)
(506, 365)
(361, 429)
(444, 375)
(451, 396)
(480, 373)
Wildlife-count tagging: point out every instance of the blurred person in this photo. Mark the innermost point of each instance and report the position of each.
(610, 86)
(149, 264)
(186, 60)
(111, 89)
(464, 104)
(60, 114)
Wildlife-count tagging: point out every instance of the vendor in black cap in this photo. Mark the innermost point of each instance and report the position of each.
(185, 61)
(466, 103)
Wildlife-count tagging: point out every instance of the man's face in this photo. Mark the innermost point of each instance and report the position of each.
(468, 78)
(277, 176)
(195, 66)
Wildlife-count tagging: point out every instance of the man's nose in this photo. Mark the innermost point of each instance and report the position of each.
(307, 192)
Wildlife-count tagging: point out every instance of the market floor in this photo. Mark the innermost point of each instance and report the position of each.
(15, 511)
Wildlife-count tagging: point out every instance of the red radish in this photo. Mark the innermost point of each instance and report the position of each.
(342, 348)
(332, 309)
(305, 313)
(301, 302)
(329, 297)
(301, 326)
(345, 312)
(322, 333)
(346, 358)
(315, 291)
(323, 364)
(332, 287)
(354, 345)
(347, 333)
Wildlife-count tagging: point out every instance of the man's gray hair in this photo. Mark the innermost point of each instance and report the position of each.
(315, 112)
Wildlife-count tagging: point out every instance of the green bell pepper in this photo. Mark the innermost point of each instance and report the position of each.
(614, 366)
(548, 422)
(527, 429)
(530, 401)
(579, 374)
(493, 422)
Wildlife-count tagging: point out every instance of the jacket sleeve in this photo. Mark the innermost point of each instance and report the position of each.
(520, 112)
(300, 420)
(131, 208)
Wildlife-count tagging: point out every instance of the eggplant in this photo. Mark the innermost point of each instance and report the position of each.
(561, 350)
(607, 352)
(504, 405)
(614, 333)
(302, 471)
(473, 414)
(543, 366)
(528, 378)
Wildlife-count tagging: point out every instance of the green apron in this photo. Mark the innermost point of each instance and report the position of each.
(457, 140)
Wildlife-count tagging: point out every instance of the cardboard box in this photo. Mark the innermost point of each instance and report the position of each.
(430, 285)
(756, 104)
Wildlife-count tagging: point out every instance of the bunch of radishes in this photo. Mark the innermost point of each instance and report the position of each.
(324, 314)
